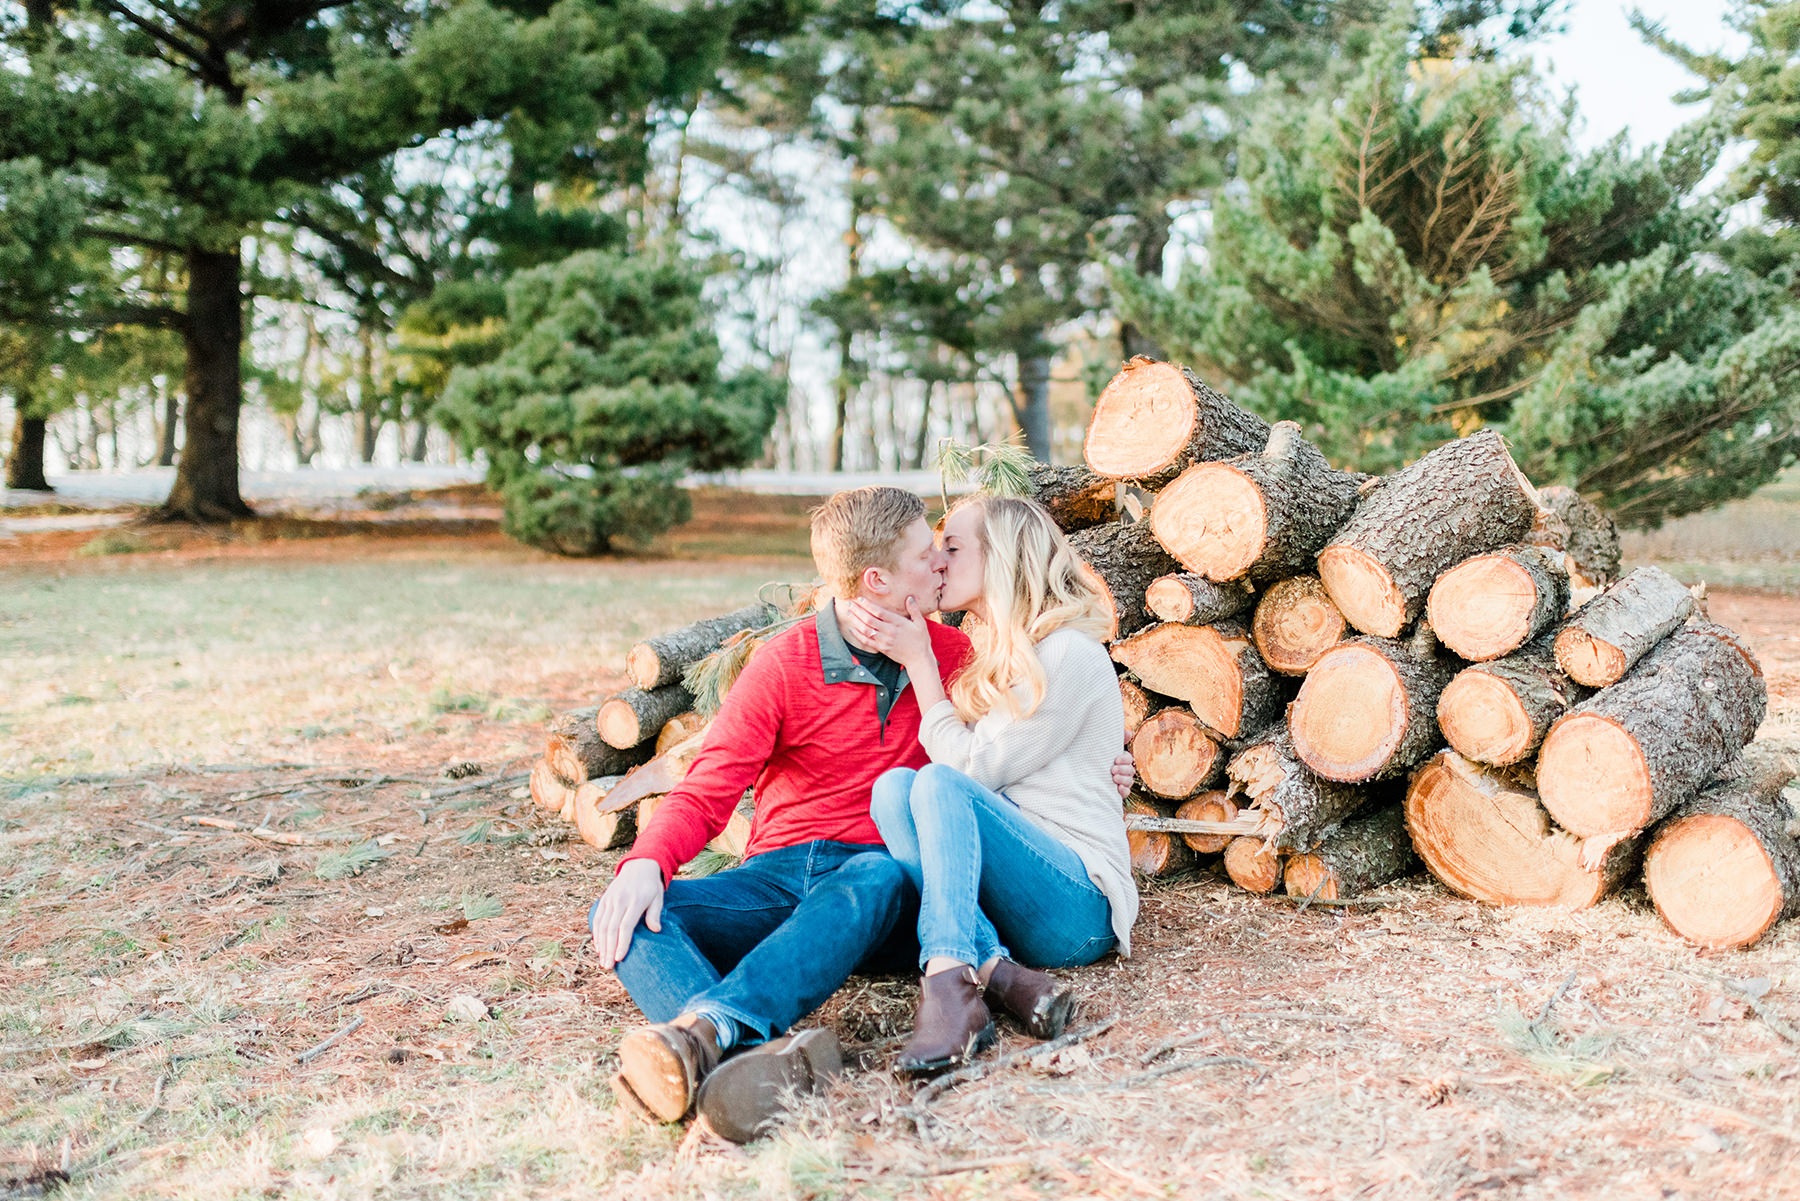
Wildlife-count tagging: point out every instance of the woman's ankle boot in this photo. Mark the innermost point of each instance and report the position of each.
(952, 1026)
(1036, 998)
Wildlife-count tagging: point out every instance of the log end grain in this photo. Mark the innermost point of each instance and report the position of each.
(1168, 599)
(548, 791)
(1174, 756)
(1712, 881)
(1252, 866)
(1138, 704)
(1482, 608)
(1154, 853)
(1350, 716)
(1208, 807)
(1308, 876)
(1212, 518)
(1143, 420)
(1593, 777)
(1363, 590)
(602, 831)
(1484, 719)
(1589, 660)
(1295, 623)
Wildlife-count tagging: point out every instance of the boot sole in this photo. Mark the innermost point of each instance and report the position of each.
(742, 1098)
(659, 1080)
(982, 1040)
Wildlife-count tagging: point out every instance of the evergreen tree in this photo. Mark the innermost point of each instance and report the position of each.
(607, 391)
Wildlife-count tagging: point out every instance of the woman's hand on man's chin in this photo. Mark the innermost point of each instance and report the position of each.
(903, 638)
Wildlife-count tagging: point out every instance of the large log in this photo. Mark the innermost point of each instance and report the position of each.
(1121, 559)
(1252, 865)
(636, 716)
(1725, 867)
(1295, 623)
(1194, 600)
(1463, 498)
(1498, 712)
(1154, 419)
(1599, 644)
(1368, 708)
(659, 661)
(1370, 850)
(1258, 517)
(1215, 669)
(1590, 539)
(1494, 603)
(1207, 807)
(1484, 833)
(1173, 754)
(1631, 753)
(1076, 497)
(1296, 807)
(1153, 852)
(576, 752)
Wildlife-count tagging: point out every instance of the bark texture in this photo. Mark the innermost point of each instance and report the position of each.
(1610, 633)
(1590, 541)
(1499, 712)
(1122, 558)
(1368, 852)
(1368, 708)
(576, 753)
(1214, 669)
(1076, 497)
(1174, 756)
(638, 715)
(206, 477)
(1296, 807)
(1295, 623)
(1494, 603)
(1155, 419)
(1195, 600)
(659, 661)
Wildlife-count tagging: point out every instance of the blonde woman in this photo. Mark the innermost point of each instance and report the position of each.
(1013, 833)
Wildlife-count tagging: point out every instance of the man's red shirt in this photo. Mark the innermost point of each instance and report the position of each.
(802, 728)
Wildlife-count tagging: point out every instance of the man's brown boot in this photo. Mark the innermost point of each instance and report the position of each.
(952, 1025)
(1036, 998)
(661, 1066)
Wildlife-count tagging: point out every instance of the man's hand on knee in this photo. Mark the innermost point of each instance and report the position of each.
(635, 893)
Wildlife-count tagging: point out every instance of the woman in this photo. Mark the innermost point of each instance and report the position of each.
(1014, 832)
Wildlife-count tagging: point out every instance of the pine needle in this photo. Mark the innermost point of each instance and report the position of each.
(706, 863)
(353, 861)
(475, 907)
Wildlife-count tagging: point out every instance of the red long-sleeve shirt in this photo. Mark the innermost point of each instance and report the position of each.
(801, 726)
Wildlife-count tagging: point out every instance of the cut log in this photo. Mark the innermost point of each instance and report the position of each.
(1494, 603)
(576, 752)
(1207, 807)
(1463, 498)
(1215, 669)
(1368, 708)
(1154, 853)
(659, 661)
(1369, 851)
(1258, 517)
(657, 776)
(1599, 644)
(1076, 497)
(1484, 833)
(548, 792)
(608, 831)
(636, 716)
(1295, 623)
(679, 729)
(1630, 754)
(1296, 808)
(1154, 419)
(1174, 756)
(1139, 705)
(735, 837)
(1121, 559)
(1194, 600)
(1590, 539)
(1498, 712)
(1725, 867)
(1252, 865)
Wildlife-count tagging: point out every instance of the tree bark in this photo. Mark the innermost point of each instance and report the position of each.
(1156, 419)
(1214, 669)
(206, 478)
(1369, 851)
(165, 449)
(1463, 498)
(1194, 600)
(1498, 712)
(1173, 754)
(637, 715)
(1590, 540)
(1368, 708)
(1296, 808)
(576, 753)
(1599, 644)
(1033, 406)
(1076, 497)
(1122, 558)
(658, 661)
(1494, 603)
(1295, 623)
(25, 465)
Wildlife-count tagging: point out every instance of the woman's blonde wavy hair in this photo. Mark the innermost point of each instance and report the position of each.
(1033, 585)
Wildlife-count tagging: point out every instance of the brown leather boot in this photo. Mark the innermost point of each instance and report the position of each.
(661, 1066)
(1040, 1003)
(745, 1097)
(952, 1025)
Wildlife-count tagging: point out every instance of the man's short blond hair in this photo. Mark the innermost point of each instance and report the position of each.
(858, 529)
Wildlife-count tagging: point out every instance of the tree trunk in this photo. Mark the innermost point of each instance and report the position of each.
(1599, 644)
(1484, 833)
(853, 246)
(421, 429)
(1033, 406)
(1121, 559)
(636, 715)
(1493, 604)
(1215, 669)
(1208, 807)
(1154, 420)
(1173, 754)
(1153, 852)
(1295, 807)
(1590, 540)
(1257, 517)
(1076, 497)
(1498, 712)
(1252, 866)
(25, 465)
(1295, 623)
(1194, 600)
(1368, 852)
(576, 753)
(1368, 708)
(165, 449)
(1626, 757)
(1149, 263)
(1726, 866)
(206, 478)
(922, 436)
(661, 660)
(1463, 498)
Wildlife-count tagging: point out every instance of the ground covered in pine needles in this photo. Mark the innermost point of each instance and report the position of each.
(277, 919)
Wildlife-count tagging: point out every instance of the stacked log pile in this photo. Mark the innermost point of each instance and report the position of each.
(1330, 677)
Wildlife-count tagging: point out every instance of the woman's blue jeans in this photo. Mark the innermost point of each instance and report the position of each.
(990, 882)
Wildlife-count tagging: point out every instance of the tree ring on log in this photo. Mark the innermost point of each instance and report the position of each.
(1330, 722)
(1160, 419)
(1484, 719)
(1307, 875)
(1295, 623)
(1174, 757)
(1489, 593)
(1596, 758)
(1715, 884)
(1251, 865)
(1220, 539)
(1363, 590)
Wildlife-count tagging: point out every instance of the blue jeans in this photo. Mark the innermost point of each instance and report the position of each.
(768, 941)
(988, 878)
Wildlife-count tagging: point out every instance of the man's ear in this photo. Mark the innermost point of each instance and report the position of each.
(873, 582)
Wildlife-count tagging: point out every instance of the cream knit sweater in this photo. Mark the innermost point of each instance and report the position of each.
(1056, 765)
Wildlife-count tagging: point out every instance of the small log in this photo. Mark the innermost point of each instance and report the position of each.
(1599, 644)
(1725, 867)
(1498, 712)
(1494, 603)
(1296, 808)
(1154, 419)
(1590, 539)
(1076, 497)
(576, 752)
(1215, 669)
(548, 791)
(1154, 853)
(610, 831)
(1368, 708)
(1258, 517)
(1208, 807)
(1120, 559)
(657, 776)
(1194, 600)
(1252, 865)
(659, 661)
(1139, 705)
(1631, 753)
(1295, 623)
(1174, 756)
(735, 837)
(1369, 851)
(1484, 833)
(680, 728)
(1463, 498)
(635, 716)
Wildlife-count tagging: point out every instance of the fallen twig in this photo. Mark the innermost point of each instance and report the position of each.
(1544, 1013)
(1167, 1069)
(510, 780)
(313, 1052)
(1762, 1011)
(1345, 903)
(915, 1112)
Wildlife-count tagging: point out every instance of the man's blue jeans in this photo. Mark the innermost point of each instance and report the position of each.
(768, 941)
(988, 879)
